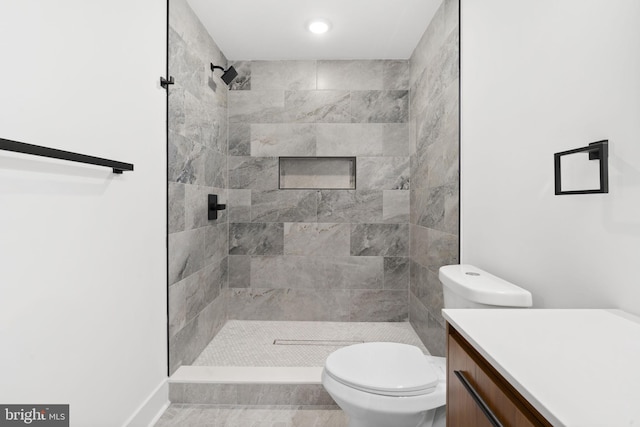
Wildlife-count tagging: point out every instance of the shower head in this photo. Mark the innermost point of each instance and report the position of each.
(227, 75)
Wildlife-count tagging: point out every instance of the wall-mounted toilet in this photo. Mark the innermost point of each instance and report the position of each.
(382, 384)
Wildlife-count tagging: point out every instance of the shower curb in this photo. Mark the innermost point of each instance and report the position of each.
(233, 385)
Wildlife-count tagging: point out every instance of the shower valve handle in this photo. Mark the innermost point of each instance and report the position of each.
(214, 206)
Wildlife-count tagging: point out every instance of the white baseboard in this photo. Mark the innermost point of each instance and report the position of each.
(152, 408)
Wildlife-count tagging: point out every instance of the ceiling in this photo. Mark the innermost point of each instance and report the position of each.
(275, 29)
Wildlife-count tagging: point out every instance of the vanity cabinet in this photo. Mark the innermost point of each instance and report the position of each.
(477, 395)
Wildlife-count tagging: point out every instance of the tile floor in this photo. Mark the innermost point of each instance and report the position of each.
(183, 415)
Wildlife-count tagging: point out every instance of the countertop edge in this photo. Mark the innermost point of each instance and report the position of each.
(519, 387)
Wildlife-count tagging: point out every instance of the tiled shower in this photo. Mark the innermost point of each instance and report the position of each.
(319, 253)
(368, 254)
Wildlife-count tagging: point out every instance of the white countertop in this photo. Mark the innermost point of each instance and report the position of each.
(577, 367)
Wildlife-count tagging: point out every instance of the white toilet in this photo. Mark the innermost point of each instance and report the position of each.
(383, 384)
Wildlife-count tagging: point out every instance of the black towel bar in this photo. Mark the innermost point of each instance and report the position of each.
(37, 150)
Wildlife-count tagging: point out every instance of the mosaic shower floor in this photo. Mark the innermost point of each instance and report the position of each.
(293, 344)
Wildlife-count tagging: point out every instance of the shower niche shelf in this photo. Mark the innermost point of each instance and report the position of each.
(317, 173)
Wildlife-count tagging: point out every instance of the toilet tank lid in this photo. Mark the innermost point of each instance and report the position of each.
(482, 287)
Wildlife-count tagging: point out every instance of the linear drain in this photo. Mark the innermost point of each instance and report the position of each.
(329, 343)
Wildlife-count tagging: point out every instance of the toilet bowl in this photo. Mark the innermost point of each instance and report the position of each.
(382, 384)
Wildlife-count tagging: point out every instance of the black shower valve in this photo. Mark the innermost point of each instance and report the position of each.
(214, 206)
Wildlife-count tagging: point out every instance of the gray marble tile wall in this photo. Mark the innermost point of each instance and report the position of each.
(198, 248)
(434, 195)
(323, 254)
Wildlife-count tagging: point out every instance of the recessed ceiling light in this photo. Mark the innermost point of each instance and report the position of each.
(319, 26)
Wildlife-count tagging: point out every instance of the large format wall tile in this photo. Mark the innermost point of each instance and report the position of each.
(176, 111)
(419, 244)
(188, 342)
(239, 271)
(339, 139)
(442, 249)
(355, 206)
(176, 207)
(186, 160)
(395, 75)
(396, 273)
(380, 239)
(355, 272)
(197, 166)
(350, 75)
(313, 239)
(283, 75)
(239, 139)
(383, 173)
(255, 173)
(395, 206)
(289, 272)
(256, 106)
(196, 206)
(434, 194)
(256, 239)
(395, 139)
(194, 289)
(186, 254)
(428, 46)
(430, 127)
(451, 222)
(289, 304)
(215, 170)
(444, 67)
(183, 20)
(451, 15)
(177, 308)
(239, 205)
(379, 306)
(315, 106)
(428, 329)
(305, 272)
(284, 206)
(419, 166)
(186, 67)
(198, 123)
(426, 286)
(216, 242)
(283, 140)
(390, 106)
(434, 213)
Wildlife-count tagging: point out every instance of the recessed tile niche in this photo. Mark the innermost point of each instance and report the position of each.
(325, 173)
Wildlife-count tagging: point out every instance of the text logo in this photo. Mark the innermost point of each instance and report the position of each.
(34, 415)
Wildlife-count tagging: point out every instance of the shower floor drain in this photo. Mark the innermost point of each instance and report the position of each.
(330, 343)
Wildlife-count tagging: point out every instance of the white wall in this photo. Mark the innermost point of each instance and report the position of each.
(82, 251)
(540, 77)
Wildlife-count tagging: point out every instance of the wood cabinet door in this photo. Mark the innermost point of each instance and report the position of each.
(506, 405)
(462, 410)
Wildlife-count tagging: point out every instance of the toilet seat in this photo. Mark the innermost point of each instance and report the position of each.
(384, 368)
